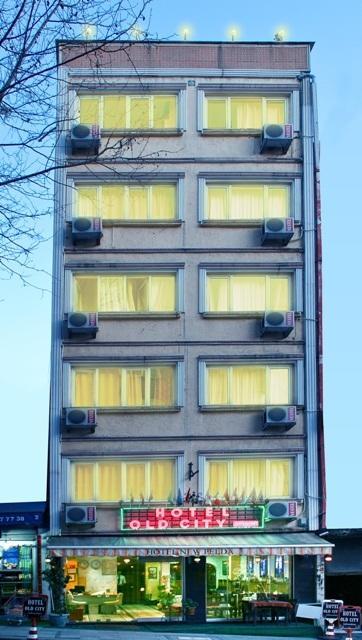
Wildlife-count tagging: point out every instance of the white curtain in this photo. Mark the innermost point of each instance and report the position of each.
(247, 293)
(162, 293)
(246, 202)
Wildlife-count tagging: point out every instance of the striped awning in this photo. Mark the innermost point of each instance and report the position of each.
(289, 544)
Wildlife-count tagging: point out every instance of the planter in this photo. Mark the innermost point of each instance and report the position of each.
(191, 611)
(58, 619)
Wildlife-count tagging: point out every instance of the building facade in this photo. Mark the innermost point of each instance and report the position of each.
(186, 439)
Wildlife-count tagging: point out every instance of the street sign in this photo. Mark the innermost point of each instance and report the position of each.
(350, 617)
(35, 605)
(330, 609)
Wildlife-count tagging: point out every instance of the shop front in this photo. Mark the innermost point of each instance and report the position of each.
(160, 570)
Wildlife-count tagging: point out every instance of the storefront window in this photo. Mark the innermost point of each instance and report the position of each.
(16, 572)
(106, 589)
(234, 581)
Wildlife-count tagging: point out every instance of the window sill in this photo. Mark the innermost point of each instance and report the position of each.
(116, 133)
(235, 223)
(237, 315)
(101, 410)
(138, 316)
(238, 408)
(231, 132)
(142, 223)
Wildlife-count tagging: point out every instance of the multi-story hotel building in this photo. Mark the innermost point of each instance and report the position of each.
(186, 442)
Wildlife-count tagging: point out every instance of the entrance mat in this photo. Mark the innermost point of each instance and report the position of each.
(143, 613)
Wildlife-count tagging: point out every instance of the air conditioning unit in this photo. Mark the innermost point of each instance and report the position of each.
(277, 231)
(80, 419)
(87, 231)
(82, 325)
(281, 510)
(85, 137)
(80, 514)
(278, 323)
(276, 136)
(280, 418)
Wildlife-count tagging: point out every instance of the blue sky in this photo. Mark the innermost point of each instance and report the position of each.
(25, 312)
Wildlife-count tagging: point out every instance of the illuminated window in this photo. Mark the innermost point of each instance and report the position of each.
(127, 202)
(240, 201)
(243, 112)
(243, 293)
(269, 477)
(114, 480)
(125, 293)
(118, 112)
(247, 385)
(125, 386)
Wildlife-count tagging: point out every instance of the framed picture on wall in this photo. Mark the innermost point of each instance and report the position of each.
(109, 566)
(152, 573)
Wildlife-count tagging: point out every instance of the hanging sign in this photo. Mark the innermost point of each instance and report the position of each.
(140, 519)
(350, 617)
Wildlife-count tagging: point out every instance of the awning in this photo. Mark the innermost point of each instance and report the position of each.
(290, 544)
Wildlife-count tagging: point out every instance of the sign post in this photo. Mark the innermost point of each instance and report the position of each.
(35, 607)
(350, 618)
(330, 613)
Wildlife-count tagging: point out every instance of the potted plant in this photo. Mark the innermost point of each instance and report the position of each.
(54, 576)
(190, 606)
(166, 599)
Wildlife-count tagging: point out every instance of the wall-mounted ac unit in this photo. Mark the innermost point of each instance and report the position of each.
(281, 510)
(85, 137)
(277, 231)
(280, 418)
(80, 514)
(276, 136)
(80, 419)
(278, 323)
(82, 325)
(87, 231)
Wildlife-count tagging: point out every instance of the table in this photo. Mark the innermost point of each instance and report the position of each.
(251, 607)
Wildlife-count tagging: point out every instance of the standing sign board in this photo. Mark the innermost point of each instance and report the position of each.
(35, 606)
(331, 608)
(350, 617)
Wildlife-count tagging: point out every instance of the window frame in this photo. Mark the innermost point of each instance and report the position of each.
(168, 180)
(179, 286)
(141, 363)
(298, 471)
(225, 95)
(296, 382)
(296, 288)
(68, 470)
(155, 91)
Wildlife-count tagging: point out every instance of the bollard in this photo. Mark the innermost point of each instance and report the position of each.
(329, 632)
(33, 631)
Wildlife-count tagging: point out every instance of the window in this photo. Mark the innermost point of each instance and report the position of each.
(127, 202)
(125, 293)
(114, 480)
(247, 293)
(243, 112)
(239, 201)
(245, 385)
(243, 477)
(136, 112)
(125, 386)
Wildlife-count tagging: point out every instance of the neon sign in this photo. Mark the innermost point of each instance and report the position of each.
(140, 519)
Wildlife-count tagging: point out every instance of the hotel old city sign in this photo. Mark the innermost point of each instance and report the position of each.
(153, 519)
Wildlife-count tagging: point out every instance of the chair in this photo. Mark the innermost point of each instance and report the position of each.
(110, 606)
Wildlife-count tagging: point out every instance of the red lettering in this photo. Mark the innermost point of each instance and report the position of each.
(134, 524)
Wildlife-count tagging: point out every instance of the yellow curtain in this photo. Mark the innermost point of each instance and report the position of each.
(137, 293)
(109, 387)
(109, 481)
(135, 387)
(248, 476)
(217, 477)
(86, 202)
(84, 388)
(275, 112)
(113, 202)
(85, 293)
(165, 112)
(216, 113)
(246, 202)
(89, 110)
(246, 113)
(112, 294)
(279, 479)
(247, 293)
(163, 202)
(83, 478)
(162, 479)
(135, 480)
(217, 203)
(217, 385)
(279, 295)
(162, 291)
(162, 386)
(248, 385)
(114, 112)
(140, 112)
(279, 385)
(138, 203)
(217, 299)
(277, 202)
